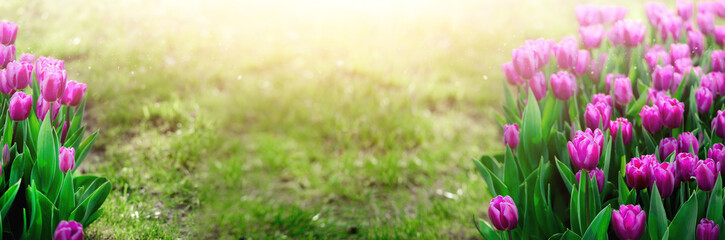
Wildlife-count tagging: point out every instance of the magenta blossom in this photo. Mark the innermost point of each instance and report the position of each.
(629, 221)
(596, 67)
(585, 149)
(511, 135)
(626, 127)
(717, 60)
(671, 112)
(595, 175)
(525, 61)
(66, 159)
(503, 213)
(662, 77)
(706, 23)
(663, 175)
(655, 55)
(588, 15)
(684, 9)
(687, 142)
(566, 53)
(707, 230)
(68, 230)
(685, 164)
(651, 120)
(667, 146)
(622, 91)
(706, 173)
(73, 94)
(696, 42)
(638, 173)
(7, 55)
(20, 106)
(510, 73)
(597, 114)
(602, 98)
(538, 86)
(9, 33)
(703, 98)
(718, 124)
(582, 63)
(563, 85)
(591, 35)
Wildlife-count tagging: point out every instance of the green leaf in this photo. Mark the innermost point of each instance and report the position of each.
(569, 235)
(574, 212)
(656, 215)
(531, 131)
(8, 197)
(84, 148)
(47, 155)
(566, 174)
(88, 207)
(66, 200)
(511, 174)
(599, 226)
(18, 168)
(8, 132)
(684, 222)
(714, 208)
(488, 177)
(486, 231)
(635, 108)
(623, 195)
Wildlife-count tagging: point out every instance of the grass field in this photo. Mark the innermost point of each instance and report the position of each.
(289, 119)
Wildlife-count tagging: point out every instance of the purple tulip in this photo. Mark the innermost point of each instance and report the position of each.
(718, 124)
(719, 33)
(609, 79)
(679, 51)
(704, 98)
(19, 74)
(706, 23)
(526, 61)
(563, 85)
(717, 59)
(710, 82)
(707, 230)
(662, 77)
(622, 91)
(7, 54)
(626, 127)
(684, 9)
(591, 35)
(20, 106)
(538, 85)
(669, 25)
(511, 135)
(602, 98)
(73, 94)
(706, 173)
(4, 84)
(629, 221)
(588, 15)
(9, 33)
(627, 32)
(612, 14)
(663, 175)
(717, 153)
(654, 11)
(68, 230)
(696, 42)
(686, 142)
(41, 109)
(585, 149)
(671, 112)
(543, 49)
(704, 7)
(597, 114)
(510, 73)
(683, 65)
(596, 67)
(582, 63)
(53, 84)
(27, 58)
(66, 159)
(566, 53)
(685, 164)
(651, 120)
(44, 63)
(667, 146)
(597, 175)
(503, 213)
(656, 54)
(638, 173)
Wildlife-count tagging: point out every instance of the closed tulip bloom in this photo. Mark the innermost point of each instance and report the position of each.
(687, 142)
(9, 33)
(651, 120)
(670, 25)
(42, 107)
(719, 33)
(632, 32)
(717, 60)
(566, 53)
(662, 77)
(679, 51)
(66, 159)
(7, 54)
(696, 42)
(591, 35)
(4, 84)
(597, 114)
(667, 146)
(629, 221)
(20, 106)
(685, 164)
(602, 98)
(710, 82)
(44, 63)
(538, 85)
(663, 175)
(585, 149)
(503, 213)
(717, 153)
(671, 112)
(53, 84)
(718, 124)
(612, 14)
(622, 91)
(594, 175)
(73, 94)
(707, 230)
(683, 65)
(704, 98)
(684, 9)
(638, 173)
(511, 135)
(706, 173)
(588, 15)
(626, 128)
(609, 80)
(563, 85)
(526, 61)
(706, 23)
(704, 7)
(68, 230)
(27, 58)
(543, 48)
(582, 63)
(596, 67)
(510, 73)
(656, 55)
(653, 11)
(19, 74)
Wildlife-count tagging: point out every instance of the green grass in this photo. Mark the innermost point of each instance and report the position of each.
(283, 119)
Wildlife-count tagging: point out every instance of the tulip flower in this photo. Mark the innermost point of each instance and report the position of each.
(53, 84)
(19, 74)
(73, 94)
(703, 98)
(719, 33)
(44, 63)
(510, 73)
(27, 58)
(597, 114)
(503, 213)
(669, 25)
(684, 9)
(626, 127)
(9, 33)
(538, 85)
(4, 84)
(651, 120)
(566, 53)
(717, 153)
(654, 11)
(66, 159)
(706, 23)
(707, 230)
(706, 173)
(563, 85)
(68, 230)
(588, 15)
(596, 175)
(629, 221)
(591, 35)
(7, 55)
(662, 77)
(710, 82)
(582, 63)
(42, 107)
(685, 164)
(585, 149)
(20, 106)
(511, 135)
(667, 146)
(696, 42)
(717, 60)
(602, 98)
(671, 112)
(612, 14)
(654, 55)
(663, 175)
(683, 65)
(526, 61)
(596, 67)
(718, 124)
(638, 173)
(687, 142)
(543, 48)
(627, 32)
(622, 91)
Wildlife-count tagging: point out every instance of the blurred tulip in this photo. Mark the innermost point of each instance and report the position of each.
(703, 98)
(597, 114)
(526, 61)
(582, 63)
(9, 33)
(696, 42)
(662, 77)
(511, 135)
(510, 73)
(563, 85)
(706, 23)
(667, 146)
(591, 35)
(538, 85)
(41, 109)
(27, 58)
(68, 230)
(73, 94)
(718, 124)
(684, 9)
(7, 55)
(20, 106)
(566, 53)
(19, 75)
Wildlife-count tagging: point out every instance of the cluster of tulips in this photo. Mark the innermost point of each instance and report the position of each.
(635, 108)
(44, 140)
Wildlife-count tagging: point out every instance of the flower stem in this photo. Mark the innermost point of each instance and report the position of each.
(585, 174)
(510, 238)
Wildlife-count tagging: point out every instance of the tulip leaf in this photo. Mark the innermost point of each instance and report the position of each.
(488, 178)
(599, 226)
(635, 108)
(569, 235)
(531, 131)
(18, 168)
(90, 205)
(649, 141)
(684, 222)
(8, 129)
(606, 158)
(656, 215)
(84, 148)
(552, 111)
(623, 195)
(34, 229)
(77, 120)
(681, 89)
(566, 174)
(714, 208)
(574, 212)
(66, 200)
(511, 174)
(485, 230)
(47, 155)
(6, 200)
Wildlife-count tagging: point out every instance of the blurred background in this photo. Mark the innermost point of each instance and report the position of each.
(290, 119)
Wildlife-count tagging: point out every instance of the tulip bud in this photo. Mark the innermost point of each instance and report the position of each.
(66, 159)
(626, 127)
(19, 74)
(588, 15)
(582, 62)
(706, 23)
(718, 124)
(684, 9)
(719, 33)
(44, 63)
(654, 11)
(706, 173)
(596, 175)
(717, 60)
(685, 164)
(683, 65)
(563, 85)
(710, 82)
(671, 112)
(602, 98)
(543, 50)
(526, 61)
(68, 230)
(662, 77)
(596, 67)
(663, 175)
(707, 230)
(53, 84)
(510, 73)
(667, 146)
(7, 54)
(591, 35)
(74, 92)
(566, 53)
(4, 84)
(503, 213)
(696, 42)
(622, 91)
(585, 149)
(6, 156)
(717, 153)
(20, 106)
(656, 54)
(612, 14)
(669, 25)
(511, 135)
(704, 98)
(597, 114)
(42, 107)
(9, 33)
(688, 142)
(627, 32)
(27, 58)
(538, 85)
(629, 221)
(651, 120)
(638, 173)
